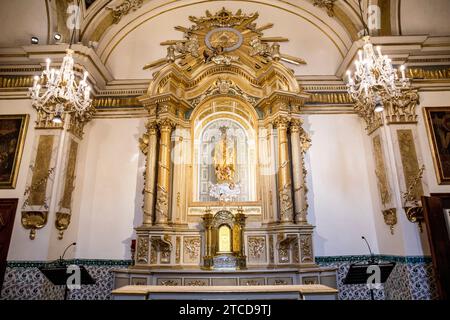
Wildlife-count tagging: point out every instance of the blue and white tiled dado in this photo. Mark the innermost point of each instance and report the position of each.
(24, 281)
(412, 278)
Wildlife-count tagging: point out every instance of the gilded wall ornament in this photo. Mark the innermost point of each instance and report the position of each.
(327, 4)
(62, 223)
(178, 250)
(295, 252)
(223, 38)
(153, 252)
(124, 8)
(223, 87)
(142, 250)
(257, 248)
(380, 171)
(162, 205)
(306, 248)
(403, 109)
(390, 218)
(271, 251)
(34, 220)
(169, 283)
(191, 249)
(411, 171)
(286, 213)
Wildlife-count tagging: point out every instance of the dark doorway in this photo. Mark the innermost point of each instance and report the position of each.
(7, 213)
(437, 219)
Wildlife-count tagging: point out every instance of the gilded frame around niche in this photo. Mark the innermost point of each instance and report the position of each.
(13, 130)
(437, 121)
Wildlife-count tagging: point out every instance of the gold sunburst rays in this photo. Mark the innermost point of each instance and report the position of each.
(224, 38)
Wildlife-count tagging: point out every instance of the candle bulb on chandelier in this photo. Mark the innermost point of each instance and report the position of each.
(360, 55)
(379, 51)
(36, 79)
(48, 61)
(85, 76)
(402, 70)
(349, 75)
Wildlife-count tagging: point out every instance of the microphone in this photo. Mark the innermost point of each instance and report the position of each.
(61, 258)
(372, 257)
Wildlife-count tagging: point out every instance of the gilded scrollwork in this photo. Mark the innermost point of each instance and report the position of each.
(142, 250)
(178, 250)
(306, 248)
(286, 213)
(390, 218)
(380, 171)
(124, 8)
(162, 205)
(169, 283)
(257, 248)
(224, 86)
(403, 108)
(327, 4)
(191, 250)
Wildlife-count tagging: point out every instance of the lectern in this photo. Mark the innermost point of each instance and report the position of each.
(58, 276)
(359, 273)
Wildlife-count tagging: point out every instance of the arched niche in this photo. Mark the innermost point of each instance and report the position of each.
(241, 119)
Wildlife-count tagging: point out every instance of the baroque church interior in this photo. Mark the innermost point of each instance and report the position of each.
(264, 148)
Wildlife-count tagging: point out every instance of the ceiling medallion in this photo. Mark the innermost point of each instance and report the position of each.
(224, 38)
(228, 39)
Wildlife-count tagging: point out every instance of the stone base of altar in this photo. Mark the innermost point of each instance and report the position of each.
(199, 277)
(285, 292)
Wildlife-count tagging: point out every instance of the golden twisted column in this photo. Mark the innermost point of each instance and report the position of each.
(150, 174)
(163, 186)
(284, 172)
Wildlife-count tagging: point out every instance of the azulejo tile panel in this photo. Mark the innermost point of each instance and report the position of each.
(412, 278)
(24, 281)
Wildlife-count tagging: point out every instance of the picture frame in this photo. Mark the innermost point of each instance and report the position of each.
(437, 120)
(13, 130)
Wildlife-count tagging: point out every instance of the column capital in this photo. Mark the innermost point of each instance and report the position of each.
(152, 127)
(296, 125)
(166, 124)
(281, 122)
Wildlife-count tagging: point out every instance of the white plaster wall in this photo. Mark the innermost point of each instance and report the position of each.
(429, 17)
(339, 190)
(110, 197)
(22, 19)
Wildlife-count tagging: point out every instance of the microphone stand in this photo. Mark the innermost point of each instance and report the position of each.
(371, 261)
(372, 256)
(61, 263)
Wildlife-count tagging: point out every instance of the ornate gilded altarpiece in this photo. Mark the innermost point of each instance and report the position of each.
(225, 198)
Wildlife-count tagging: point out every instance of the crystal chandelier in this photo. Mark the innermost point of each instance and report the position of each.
(57, 92)
(375, 80)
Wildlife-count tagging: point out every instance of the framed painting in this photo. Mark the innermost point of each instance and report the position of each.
(438, 126)
(13, 129)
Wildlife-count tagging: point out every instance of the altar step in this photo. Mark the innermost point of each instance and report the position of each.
(248, 277)
(285, 292)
